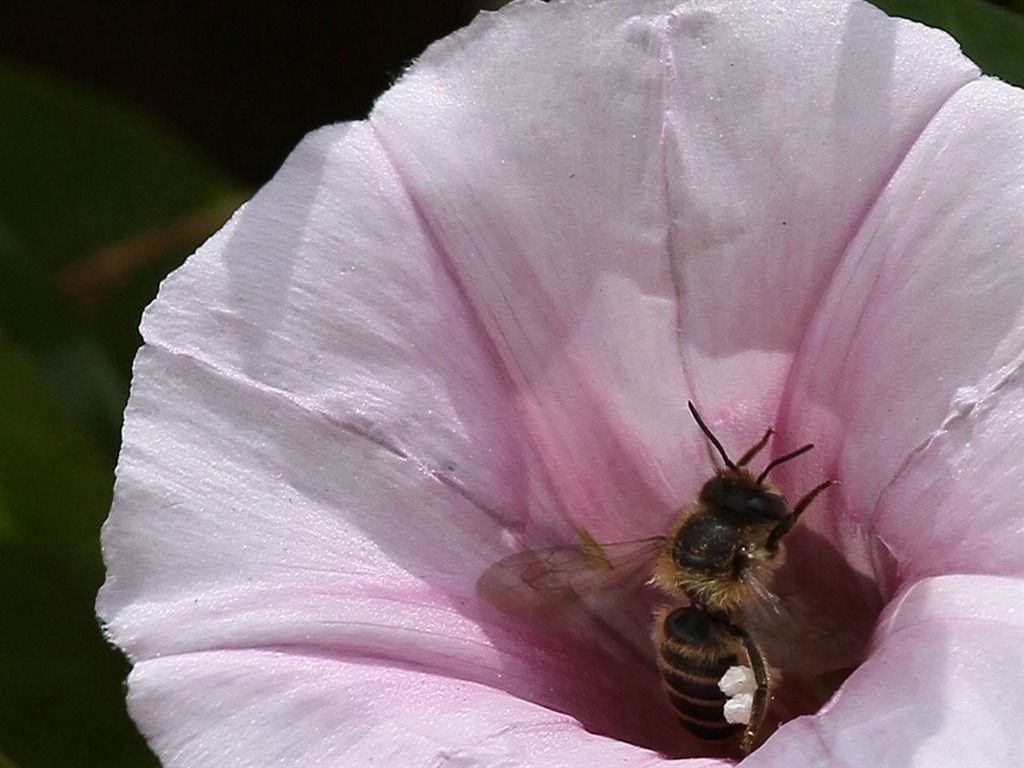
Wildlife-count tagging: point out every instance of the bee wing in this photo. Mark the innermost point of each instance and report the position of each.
(539, 583)
(767, 605)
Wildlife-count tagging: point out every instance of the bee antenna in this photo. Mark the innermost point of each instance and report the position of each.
(714, 440)
(781, 460)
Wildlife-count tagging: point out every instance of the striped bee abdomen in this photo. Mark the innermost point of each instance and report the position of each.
(695, 648)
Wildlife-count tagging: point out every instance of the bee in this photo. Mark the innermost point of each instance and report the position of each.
(716, 559)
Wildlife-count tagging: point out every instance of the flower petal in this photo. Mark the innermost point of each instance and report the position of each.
(223, 707)
(258, 446)
(910, 375)
(943, 686)
(625, 252)
(545, 196)
(278, 487)
(783, 123)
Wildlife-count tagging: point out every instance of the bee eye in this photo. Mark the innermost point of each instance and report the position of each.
(757, 505)
(743, 499)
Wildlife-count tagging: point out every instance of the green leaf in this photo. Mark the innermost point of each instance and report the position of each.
(78, 173)
(97, 204)
(991, 36)
(72, 359)
(62, 699)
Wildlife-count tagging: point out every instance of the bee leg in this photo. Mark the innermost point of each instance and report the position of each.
(786, 524)
(759, 706)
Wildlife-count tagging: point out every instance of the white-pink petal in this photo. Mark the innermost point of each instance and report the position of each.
(676, 240)
(944, 686)
(257, 708)
(269, 496)
(911, 371)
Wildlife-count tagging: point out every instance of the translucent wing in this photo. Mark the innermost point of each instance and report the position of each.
(540, 583)
(766, 605)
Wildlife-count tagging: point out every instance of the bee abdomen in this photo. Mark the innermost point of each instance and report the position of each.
(694, 694)
(696, 648)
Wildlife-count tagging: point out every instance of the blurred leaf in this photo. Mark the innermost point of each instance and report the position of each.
(77, 368)
(54, 487)
(62, 698)
(78, 173)
(991, 36)
(97, 204)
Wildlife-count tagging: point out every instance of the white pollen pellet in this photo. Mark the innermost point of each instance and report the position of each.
(737, 709)
(737, 680)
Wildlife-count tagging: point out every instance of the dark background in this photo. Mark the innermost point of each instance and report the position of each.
(243, 81)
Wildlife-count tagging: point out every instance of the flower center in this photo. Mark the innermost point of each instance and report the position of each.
(812, 637)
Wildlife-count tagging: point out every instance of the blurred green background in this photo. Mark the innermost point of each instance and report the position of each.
(128, 133)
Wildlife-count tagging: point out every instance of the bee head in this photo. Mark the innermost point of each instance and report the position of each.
(738, 495)
(733, 535)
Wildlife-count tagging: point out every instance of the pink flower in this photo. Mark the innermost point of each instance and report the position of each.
(470, 325)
